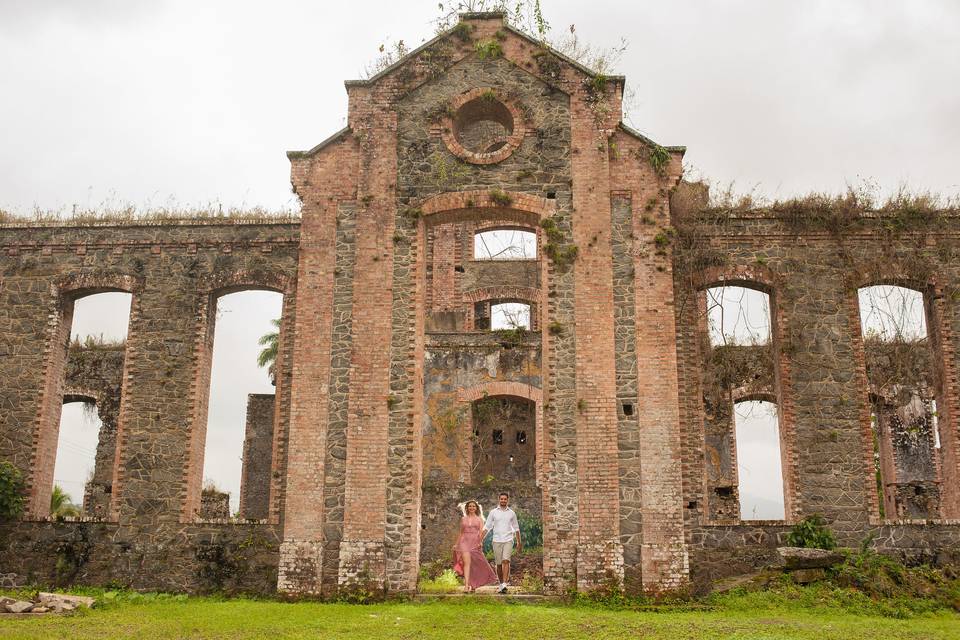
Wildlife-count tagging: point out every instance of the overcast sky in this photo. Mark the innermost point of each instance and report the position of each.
(167, 101)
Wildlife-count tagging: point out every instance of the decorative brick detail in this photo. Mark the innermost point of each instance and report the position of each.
(507, 206)
(485, 97)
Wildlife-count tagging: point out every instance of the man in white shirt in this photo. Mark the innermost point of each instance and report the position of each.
(503, 522)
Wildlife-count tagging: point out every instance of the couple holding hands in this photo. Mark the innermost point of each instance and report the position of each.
(469, 560)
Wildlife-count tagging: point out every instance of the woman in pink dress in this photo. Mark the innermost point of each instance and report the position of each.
(468, 552)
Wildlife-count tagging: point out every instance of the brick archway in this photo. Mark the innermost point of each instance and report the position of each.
(511, 390)
(226, 284)
(507, 207)
(64, 292)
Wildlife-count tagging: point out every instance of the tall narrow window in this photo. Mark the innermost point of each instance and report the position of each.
(742, 438)
(237, 406)
(86, 442)
(899, 364)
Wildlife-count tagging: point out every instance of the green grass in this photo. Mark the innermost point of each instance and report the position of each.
(747, 615)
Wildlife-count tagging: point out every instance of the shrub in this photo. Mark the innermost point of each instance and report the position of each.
(531, 530)
(489, 49)
(11, 492)
(501, 198)
(812, 533)
(444, 583)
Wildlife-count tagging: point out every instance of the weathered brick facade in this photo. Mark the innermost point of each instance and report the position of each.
(394, 398)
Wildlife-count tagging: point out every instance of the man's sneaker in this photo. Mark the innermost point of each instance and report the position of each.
(503, 589)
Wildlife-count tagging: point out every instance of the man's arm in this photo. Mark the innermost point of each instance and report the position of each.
(516, 531)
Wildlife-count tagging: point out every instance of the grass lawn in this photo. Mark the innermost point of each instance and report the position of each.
(744, 616)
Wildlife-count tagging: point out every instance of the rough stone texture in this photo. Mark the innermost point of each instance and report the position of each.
(385, 355)
(214, 505)
(174, 272)
(257, 458)
(19, 606)
(801, 558)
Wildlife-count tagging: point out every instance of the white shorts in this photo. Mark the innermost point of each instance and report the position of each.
(502, 551)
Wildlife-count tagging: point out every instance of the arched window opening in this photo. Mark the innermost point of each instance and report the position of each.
(240, 417)
(738, 316)
(759, 472)
(902, 389)
(505, 244)
(86, 438)
(742, 439)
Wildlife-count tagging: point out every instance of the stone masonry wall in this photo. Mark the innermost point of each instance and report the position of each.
(257, 458)
(814, 272)
(174, 272)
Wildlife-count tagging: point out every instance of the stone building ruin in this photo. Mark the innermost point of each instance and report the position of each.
(607, 409)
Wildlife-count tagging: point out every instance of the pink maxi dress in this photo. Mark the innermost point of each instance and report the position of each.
(481, 573)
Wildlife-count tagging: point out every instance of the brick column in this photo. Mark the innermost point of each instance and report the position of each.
(362, 553)
(322, 181)
(599, 550)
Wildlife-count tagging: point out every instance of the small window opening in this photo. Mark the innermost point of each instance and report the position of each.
(551, 195)
(627, 409)
(521, 437)
(505, 244)
(498, 436)
(738, 316)
(509, 315)
(458, 268)
(724, 492)
(935, 423)
(892, 314)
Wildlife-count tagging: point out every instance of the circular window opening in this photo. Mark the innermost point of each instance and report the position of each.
(483, 125)
(484, 128)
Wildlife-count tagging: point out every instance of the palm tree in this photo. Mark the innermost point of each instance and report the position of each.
(61, 504)
(270, 343)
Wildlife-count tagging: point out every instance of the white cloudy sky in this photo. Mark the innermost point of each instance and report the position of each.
(160, 101)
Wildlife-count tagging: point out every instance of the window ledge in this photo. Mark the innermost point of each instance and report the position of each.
(234, 521)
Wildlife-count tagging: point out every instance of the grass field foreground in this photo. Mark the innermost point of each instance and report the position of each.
(816, 613)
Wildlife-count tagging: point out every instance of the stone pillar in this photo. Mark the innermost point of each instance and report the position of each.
(257, 457)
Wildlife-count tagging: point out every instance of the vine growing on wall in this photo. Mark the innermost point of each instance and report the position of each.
(11, 492)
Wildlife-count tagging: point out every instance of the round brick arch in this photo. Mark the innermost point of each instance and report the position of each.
(79, 285)
(502, 292)
(507, 207)
(498, 388)
(756, 277)
(236, 281)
